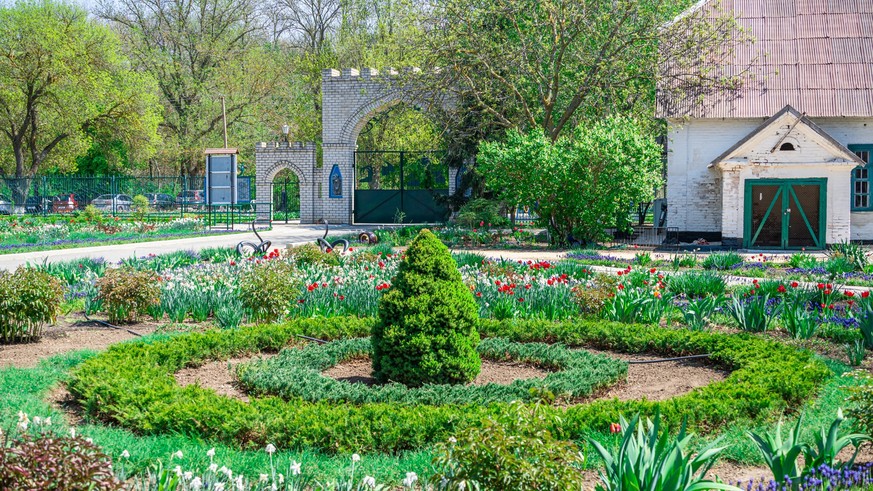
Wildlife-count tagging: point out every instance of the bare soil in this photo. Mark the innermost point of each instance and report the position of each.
(361, 371)
(218, 376)
(66, 337)
(659, 381)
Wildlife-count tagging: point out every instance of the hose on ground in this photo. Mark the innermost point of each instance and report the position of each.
(104, 323)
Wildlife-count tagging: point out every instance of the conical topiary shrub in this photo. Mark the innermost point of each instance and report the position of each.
(426, 330)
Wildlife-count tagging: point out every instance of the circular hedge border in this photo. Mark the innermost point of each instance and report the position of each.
(296, 373)
(132, 385)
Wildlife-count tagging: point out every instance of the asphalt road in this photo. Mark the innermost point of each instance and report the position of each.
(281, 235)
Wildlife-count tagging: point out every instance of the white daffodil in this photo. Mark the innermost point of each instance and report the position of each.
(188, 475)
(369, 481)
(125, 454)
(196, 484)
(270, 449)
(410, 480)
(211, 452)
(47, 421)
(295, 468)
(177, 454)
(213, 468)
(356, 457)
(263, 478)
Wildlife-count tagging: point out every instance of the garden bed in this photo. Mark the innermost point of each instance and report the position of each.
(767, 378)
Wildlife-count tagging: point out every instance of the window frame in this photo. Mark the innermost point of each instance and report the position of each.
(863, 147)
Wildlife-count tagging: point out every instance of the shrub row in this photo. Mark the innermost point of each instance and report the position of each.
(132, 384)
(296, 373)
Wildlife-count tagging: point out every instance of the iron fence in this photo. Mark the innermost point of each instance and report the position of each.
(169, 196)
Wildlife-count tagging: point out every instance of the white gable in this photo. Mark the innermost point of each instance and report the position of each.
(788, 138)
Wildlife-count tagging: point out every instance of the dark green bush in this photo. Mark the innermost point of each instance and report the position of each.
(132, 385)
(268, 290)
(481, 212)
(861, 401)
(296, 373)
(511, 451)
(28, 299)
(58, 463)
(426, 329)
(127, 293)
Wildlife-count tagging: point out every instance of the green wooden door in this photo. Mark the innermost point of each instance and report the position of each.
(785, 213)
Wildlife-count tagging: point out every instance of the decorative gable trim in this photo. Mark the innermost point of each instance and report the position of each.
(788, 124)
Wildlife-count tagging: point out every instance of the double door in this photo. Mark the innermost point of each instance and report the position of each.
(785, 213)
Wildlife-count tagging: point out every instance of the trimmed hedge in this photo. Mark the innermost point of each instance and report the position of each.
(296, 373)
(132, 385)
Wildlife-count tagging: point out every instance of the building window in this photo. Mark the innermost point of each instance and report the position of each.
(787, 147)
(861, 199)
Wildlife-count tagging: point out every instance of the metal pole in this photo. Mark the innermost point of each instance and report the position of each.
(224, 121)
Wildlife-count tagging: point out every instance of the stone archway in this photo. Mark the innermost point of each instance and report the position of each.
(299, 158)
(349, 99)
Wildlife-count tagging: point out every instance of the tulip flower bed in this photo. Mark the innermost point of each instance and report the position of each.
(296, 374)
(26, 234)
(132, 385)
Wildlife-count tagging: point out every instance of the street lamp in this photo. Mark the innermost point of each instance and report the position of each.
(285, 129)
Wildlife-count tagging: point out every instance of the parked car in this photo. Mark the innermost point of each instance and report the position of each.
(65, 203)
(6, 206)
(37, 204)
(160, 201)
(113, 202)
(192, 197)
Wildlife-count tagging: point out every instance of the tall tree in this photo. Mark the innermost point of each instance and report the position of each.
(62, 81)
(199, 51)
(550, 64)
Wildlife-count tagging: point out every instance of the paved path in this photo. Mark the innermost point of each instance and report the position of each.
(281, 235)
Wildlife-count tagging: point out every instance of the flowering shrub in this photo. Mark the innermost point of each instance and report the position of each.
(513, 450)
(426, 328)
(127, 293)
(28, 299)
(591, 297)
(310, 253)
(268, 290)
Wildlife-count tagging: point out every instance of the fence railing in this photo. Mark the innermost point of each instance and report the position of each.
(168, 196)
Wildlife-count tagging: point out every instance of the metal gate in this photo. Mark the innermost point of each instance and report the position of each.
(399, 187)
(286, 197)
(785, 213)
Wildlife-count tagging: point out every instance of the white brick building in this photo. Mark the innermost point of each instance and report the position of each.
(780, 164)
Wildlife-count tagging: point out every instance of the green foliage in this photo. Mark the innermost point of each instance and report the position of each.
(268, 290)
(651, 459)
(856, 352)
(828, 443)
(838, 265)
(140, 207)
(426, 331)
(28, 299)
(481, 212)
(642, 258)
(310, 253)
(85, 87)
(699, 310)
(695, 284)
(861, 400)
(127, 293)
(781, 455)
(753, 313)
(132, 385)
(865, 326)
(514, 450)
(581, 183)
(798, 320)
(722, 261)
(59, 463)
(296, 373)
(802, 260)
(634, 304)
(92, 214)
(852, 254)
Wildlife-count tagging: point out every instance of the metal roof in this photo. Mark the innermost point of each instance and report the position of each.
(815, 55)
